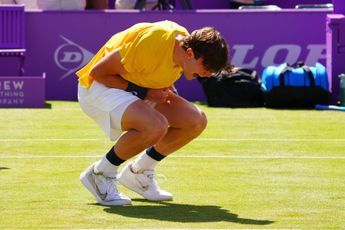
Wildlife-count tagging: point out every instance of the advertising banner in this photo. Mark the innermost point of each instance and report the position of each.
(61, 42)
(22, 92)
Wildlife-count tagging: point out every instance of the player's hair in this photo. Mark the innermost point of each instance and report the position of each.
(207, 43)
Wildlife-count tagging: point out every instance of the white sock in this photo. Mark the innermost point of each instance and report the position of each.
(144, 162)
(107, 168)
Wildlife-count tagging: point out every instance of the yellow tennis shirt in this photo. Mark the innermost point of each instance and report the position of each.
(146, 51)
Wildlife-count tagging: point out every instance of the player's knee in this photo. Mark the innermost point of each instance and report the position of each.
(198, 123)
(157, 129)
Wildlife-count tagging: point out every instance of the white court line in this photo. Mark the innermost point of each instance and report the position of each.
(190, 156)
(198, 139)
(48, 139)
(186, 228)
(273, 139)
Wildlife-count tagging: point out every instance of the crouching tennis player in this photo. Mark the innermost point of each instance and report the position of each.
(128, 90)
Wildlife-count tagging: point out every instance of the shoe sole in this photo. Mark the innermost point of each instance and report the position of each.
(86, 181)
(125, 182)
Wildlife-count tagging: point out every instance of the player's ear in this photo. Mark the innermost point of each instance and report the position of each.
(190, 53)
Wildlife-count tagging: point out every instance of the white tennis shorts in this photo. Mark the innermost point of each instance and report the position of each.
(105, 106)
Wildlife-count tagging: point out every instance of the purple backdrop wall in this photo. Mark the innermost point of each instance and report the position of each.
(224, 4)
(60, 42)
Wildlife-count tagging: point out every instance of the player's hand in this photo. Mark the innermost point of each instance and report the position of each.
(158, 95)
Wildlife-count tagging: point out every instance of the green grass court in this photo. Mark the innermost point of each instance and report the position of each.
(251, 169)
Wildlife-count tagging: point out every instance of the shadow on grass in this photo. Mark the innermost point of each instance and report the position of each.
(185, 213)
(3, 168)
(47, 105)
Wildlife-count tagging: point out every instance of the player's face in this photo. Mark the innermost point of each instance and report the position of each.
(194, 68)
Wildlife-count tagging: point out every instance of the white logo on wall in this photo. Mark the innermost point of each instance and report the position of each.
(290, 53)
(11, 92)
(71, 57)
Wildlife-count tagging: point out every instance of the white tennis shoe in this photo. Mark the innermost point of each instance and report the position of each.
(103, 188)
(143, 183)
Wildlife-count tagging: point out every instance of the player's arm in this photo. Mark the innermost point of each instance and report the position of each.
(108, 71)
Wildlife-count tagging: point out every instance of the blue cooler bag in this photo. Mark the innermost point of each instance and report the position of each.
(297, 86)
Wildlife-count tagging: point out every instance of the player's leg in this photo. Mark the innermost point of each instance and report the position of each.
(186, 122)
(145, 126)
